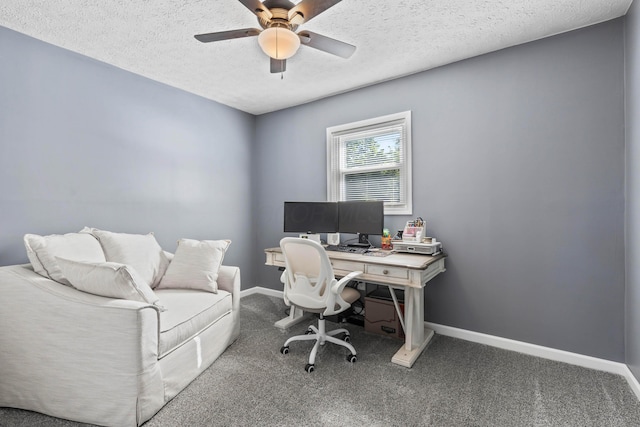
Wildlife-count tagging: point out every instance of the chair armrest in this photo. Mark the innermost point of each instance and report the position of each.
(335, 297)
(339, 285)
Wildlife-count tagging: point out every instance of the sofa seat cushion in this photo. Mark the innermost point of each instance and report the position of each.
(188, 313)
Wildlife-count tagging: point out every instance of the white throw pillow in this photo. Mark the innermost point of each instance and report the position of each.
(195, 265)
(43, 250)
(140, 251)
(108, 279)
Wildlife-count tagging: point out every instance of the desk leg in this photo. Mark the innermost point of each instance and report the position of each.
(295, 316)
(417, 336)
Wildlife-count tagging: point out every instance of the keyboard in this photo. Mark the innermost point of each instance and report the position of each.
(347, 249)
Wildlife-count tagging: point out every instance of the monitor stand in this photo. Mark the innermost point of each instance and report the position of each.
(363, 241)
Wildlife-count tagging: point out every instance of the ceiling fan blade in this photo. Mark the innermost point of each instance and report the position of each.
(226, 35)
(258, 8)
(326, 44)
(309, 9)
(278, 65)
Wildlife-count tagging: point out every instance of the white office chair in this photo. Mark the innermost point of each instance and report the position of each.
(309, 284)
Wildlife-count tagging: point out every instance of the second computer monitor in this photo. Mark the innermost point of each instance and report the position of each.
(362, 218)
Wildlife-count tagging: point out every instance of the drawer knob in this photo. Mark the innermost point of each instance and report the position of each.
(385, 271)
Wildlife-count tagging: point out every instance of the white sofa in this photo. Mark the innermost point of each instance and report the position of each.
(107, 361)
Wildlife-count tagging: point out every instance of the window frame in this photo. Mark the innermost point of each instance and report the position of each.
(336, 173)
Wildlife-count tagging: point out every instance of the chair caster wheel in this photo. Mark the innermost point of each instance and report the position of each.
(309, 368)
(347, 338)
(284, 350)
(308, 332)
(352, 358)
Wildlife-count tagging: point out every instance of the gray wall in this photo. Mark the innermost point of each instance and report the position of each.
(85, 143)
(518, 168)
(632, 330)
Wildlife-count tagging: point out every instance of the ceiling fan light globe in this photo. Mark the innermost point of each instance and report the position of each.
(279, 43)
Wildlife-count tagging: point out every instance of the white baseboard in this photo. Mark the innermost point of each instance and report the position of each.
(261, 290)
(540, 351)
(512, 345)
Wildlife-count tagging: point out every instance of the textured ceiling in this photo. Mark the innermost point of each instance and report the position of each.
(393, 39)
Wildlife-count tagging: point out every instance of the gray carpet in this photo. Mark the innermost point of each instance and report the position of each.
(454, 383)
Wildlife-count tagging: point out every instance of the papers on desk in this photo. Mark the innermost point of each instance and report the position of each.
(378, 253)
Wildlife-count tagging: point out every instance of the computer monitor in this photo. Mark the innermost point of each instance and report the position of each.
(310, 217)
(361, 218)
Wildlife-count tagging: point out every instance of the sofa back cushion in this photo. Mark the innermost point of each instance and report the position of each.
(43, 250)
(195, 265)
(108, 279)
(140, 251)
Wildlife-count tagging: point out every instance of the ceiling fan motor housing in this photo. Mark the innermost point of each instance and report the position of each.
(280, 19)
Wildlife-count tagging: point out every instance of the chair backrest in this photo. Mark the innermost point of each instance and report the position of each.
(308, 277)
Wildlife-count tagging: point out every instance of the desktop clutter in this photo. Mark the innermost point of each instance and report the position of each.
(362, 218)
(412, 240)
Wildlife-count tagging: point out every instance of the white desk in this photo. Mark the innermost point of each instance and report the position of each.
(400, 271)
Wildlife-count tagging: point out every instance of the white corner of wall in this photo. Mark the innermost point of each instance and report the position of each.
(633, 382)
(261, 290)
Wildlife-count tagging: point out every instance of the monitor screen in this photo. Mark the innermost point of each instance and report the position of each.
(366, 217)
(310, 217)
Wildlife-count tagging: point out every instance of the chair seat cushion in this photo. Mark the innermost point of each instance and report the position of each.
(188, 313)
(350, 295)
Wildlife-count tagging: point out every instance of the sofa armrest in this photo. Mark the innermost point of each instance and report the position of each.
(229, 280)
(75, 355)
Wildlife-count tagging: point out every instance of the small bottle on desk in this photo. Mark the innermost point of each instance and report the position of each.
(386, 239)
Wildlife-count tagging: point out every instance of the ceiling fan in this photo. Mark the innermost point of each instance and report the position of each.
(279, 19)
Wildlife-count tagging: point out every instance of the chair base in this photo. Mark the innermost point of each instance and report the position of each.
(321, 336)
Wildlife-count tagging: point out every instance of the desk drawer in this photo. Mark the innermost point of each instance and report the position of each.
(346, 266)
(386, 271)
(275, 258)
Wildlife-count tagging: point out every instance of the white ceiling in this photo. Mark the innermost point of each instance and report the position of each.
(393, 38)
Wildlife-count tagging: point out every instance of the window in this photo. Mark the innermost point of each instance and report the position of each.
(371, 160)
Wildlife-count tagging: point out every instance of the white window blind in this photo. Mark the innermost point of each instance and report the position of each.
(371, 160)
